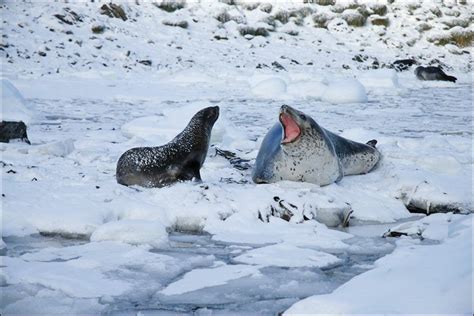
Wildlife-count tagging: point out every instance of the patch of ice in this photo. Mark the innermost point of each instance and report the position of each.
(435, 279)
(307, 89)
(285, 255)
(133, 232)
(380, 78)
(203, 278)
(270, 88)
(345, 91)
(59, 149)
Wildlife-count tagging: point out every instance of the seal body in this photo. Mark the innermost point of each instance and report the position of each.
(298, 149)
(179, 160)
(13, 130)
(433, 73)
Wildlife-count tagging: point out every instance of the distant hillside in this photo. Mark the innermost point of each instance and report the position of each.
(119, 37)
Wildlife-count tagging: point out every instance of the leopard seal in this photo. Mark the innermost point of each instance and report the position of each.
(298, 149)
(433, 73)
(179, 160)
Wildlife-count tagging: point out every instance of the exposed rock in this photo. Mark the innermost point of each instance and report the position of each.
(145, 62)
(181, 24)
(97, 29)
(113, 10)
(70, 17)
(403, 64)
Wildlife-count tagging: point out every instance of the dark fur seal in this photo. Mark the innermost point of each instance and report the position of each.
(179, 160)
(13, 130)
(298, 149)
(433, 73)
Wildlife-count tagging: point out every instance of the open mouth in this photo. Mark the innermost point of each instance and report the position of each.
(291, 129)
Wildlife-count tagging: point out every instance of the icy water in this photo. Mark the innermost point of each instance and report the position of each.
(273, 291)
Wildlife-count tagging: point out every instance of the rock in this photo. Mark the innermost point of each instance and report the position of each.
(113, 10)
(145, 62)
(403, 64)
(97, 29)
(69, 17)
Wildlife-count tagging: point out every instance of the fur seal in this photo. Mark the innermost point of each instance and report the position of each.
(13, 130)
(179, 160)
(298, 149)
(433, 73)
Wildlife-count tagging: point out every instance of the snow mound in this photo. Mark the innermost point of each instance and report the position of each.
(14, 106)
(447, 278)
(133, 232)
(59, 149)
(307, 89)
(270, 88)
(380, 78)
(345, 91)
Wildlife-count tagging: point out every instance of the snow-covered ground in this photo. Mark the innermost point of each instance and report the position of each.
(77, 242)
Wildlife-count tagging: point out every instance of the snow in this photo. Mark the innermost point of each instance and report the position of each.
(76, 242)
(270, 88)
(448, 278)
(133, 232)
(287, 256)
(380, 78)
(14, 107)
(345, 91)
(202, 278)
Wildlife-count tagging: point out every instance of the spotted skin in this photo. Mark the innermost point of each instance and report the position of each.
(317, 155)
(179, 160)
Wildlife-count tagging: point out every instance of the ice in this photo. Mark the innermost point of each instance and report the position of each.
(448, 278)
(202, 278)
(14, 106)
(346, 90)
(59, 149)
(133, 232)
(283, 255)
(270, 88)
(380, 78)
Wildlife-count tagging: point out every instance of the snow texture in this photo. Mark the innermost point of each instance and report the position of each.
(76, 242)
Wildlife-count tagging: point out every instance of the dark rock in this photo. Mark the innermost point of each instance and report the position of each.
(403, 64)
(278, 66)
(145, 62)
(113, 10)
(96, 29)
(69, 17)
(13, 130)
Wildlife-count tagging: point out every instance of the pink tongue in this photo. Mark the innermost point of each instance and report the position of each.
(292, 130)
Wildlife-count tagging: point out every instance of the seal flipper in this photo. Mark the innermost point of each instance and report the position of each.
(372, 143)
(190, 171)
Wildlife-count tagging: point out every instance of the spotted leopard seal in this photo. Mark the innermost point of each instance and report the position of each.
(298, 149)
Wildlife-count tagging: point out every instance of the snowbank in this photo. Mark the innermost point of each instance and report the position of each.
(380, 78)
(270, 88)
(14, 106)
(414, 279)
(345, 91)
